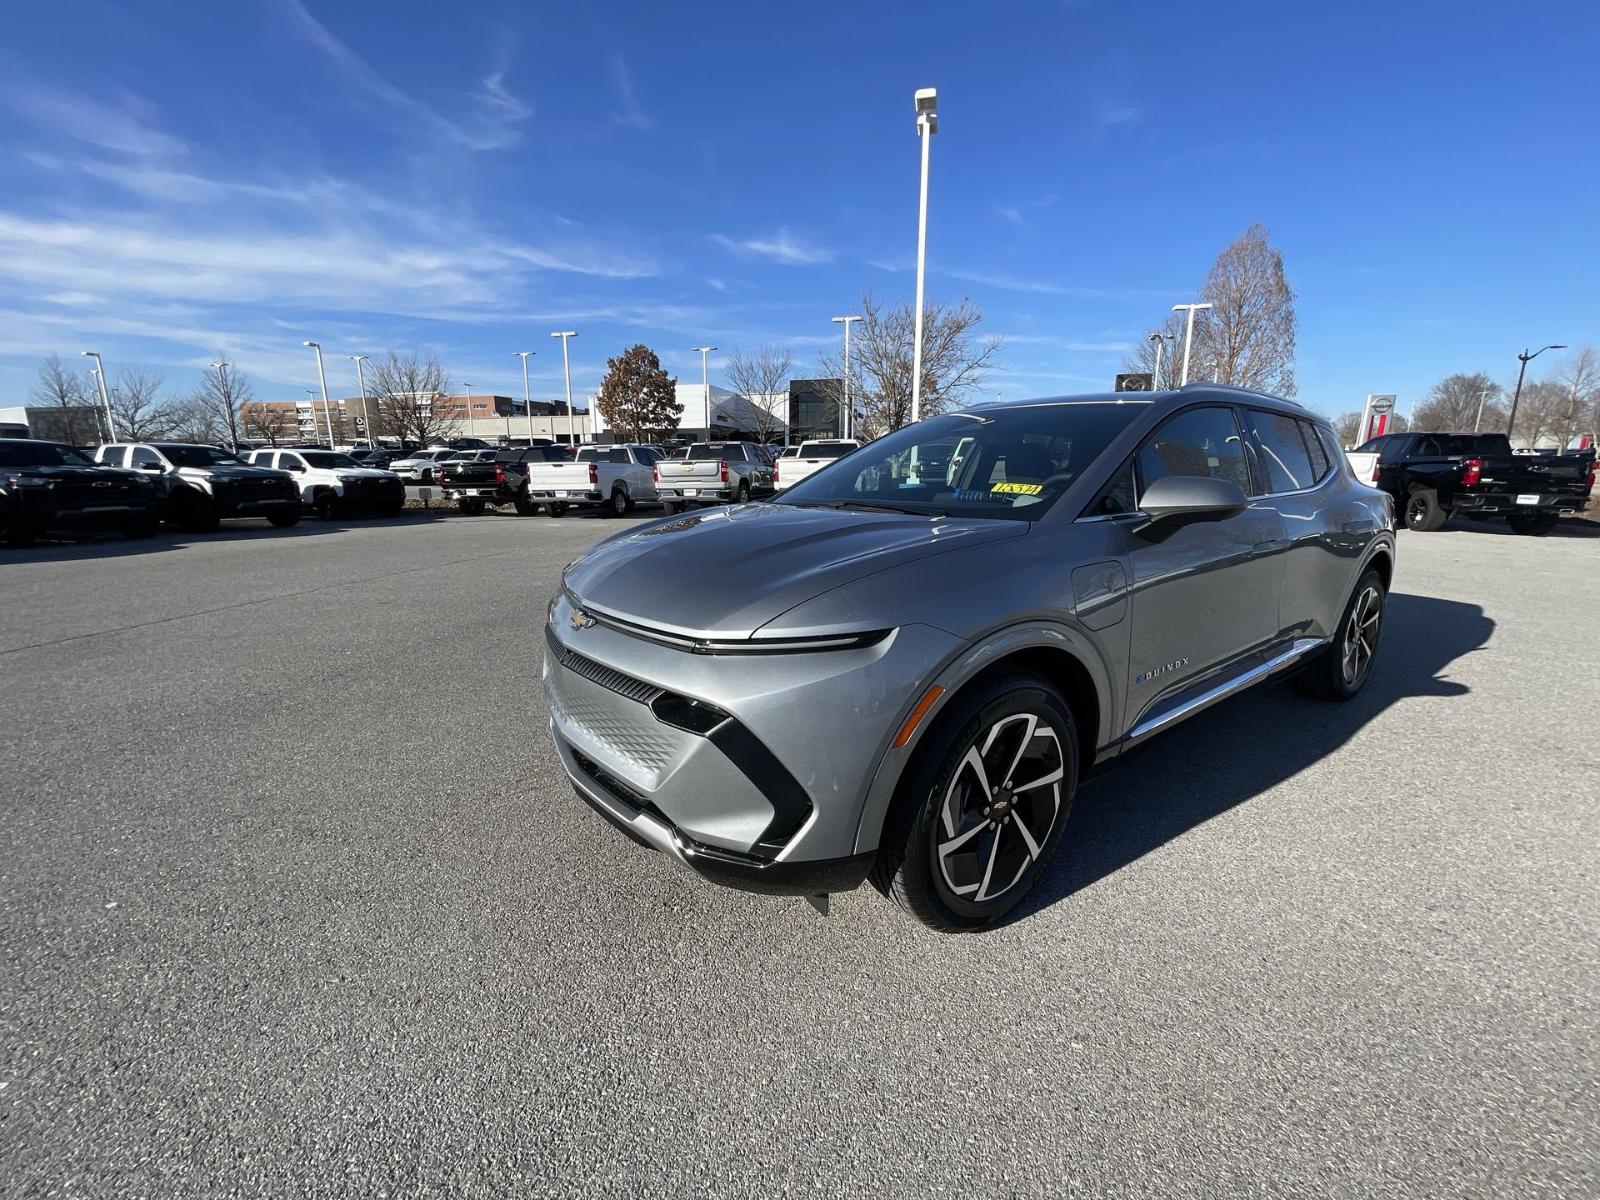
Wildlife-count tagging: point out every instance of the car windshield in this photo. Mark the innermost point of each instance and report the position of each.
(41, 454)
(707, 453)
(198, 456)
(324, 460)
(825, 449)
(1008, 463)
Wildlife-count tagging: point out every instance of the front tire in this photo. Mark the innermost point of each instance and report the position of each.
(285, 520)
(983, 806)
(1341, 670)
(1424, 512)
(326, 505)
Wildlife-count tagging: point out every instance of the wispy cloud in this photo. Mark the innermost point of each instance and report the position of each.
(1011, 213)
(630, 113)
(126, 127)
(495, 126)
(1012, 283)
(1112, 112)
(780, 247)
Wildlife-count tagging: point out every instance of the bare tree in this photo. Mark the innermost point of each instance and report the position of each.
(1579, 374)
(74, 409)
(223, 391)
(408, 389)
(268, 423)
(759, 375)
(196, 420)
(1247, 338)
(141, 411)
(1452, 403)
(955, 361)
(1541, 412)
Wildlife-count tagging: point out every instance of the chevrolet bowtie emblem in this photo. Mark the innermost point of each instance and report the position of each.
(581, 619)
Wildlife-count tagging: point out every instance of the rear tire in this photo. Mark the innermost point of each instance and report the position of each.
(472, 506)
(557, 510)
(671, 508)
(1423, 511)
(742, 496)
(1532, 524)
(1341, 670)
(525, 506)
(996, 773)
(617, 504)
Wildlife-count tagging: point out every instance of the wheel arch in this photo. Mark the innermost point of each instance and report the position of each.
(1057, 653)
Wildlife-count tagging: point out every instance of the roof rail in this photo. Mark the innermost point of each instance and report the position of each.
(1233, 387)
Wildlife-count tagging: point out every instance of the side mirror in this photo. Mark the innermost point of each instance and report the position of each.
(1179, 499)
(153, 468)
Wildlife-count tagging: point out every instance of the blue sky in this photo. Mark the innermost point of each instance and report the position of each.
(189, 177)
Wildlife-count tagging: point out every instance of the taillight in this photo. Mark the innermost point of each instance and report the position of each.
(724, 465)
(774, 472)
(1471, 472)
(594, 475)
(1589, 483)
(499, 472)
(655, 474)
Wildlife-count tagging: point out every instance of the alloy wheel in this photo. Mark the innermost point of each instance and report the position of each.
(1000, 808)
(1360, 641)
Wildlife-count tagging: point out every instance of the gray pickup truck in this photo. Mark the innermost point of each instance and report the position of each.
(713, 472)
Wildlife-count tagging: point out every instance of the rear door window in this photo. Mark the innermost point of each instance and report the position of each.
(1284, 456)
(143, 456)
(1320, 464)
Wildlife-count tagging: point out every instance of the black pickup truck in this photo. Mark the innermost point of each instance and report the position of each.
(475, 483)
(47, 487)
(1431, 475)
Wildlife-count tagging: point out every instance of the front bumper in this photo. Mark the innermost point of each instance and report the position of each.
(750, 765)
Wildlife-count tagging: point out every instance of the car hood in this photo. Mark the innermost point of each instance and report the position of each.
(724, 573)
(239, 471)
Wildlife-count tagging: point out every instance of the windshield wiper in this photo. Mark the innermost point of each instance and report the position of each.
(871, 506)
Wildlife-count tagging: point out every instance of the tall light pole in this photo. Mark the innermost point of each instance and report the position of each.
(705, 383)
(847, 422)
(1155, 375)
(467, 388)
(322, 377)
(366, 409)
(566, 365)
(105, 397)
(1483, 394)
(927, 102)
(1188, 335)
(226, 392)
(1524, 358)
(527, 395)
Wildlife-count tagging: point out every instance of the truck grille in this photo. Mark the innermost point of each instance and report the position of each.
(89, 492)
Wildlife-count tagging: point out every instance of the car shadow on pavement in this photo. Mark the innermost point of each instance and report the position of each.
(67, 548)
(1241, 748)
(1567, 527)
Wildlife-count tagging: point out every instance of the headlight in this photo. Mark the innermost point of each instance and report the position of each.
(349, 478)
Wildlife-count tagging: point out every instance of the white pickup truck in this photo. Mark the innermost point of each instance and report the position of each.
(812, 457)
(616, 477)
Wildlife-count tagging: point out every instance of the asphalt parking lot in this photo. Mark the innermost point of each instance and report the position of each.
(297, 901)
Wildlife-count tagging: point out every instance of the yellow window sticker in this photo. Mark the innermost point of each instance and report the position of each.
(1018, 489)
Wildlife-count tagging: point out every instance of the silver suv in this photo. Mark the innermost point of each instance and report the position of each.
(901, 668)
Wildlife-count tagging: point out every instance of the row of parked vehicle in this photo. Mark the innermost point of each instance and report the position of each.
(135, 487)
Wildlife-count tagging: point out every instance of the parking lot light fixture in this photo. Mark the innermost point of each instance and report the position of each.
(848, 421)
(705, 383)
(467, 401)
(927, 102)
(366, 408)
(1155, 374)
(1524, 358)
(105, 397)
(1188, 335)
(527, 394)
(566, 365)
(322, 376)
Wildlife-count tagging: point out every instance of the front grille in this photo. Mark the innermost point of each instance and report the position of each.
(366, 489)
(73, 492)
(612, 680)
(253, 489)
